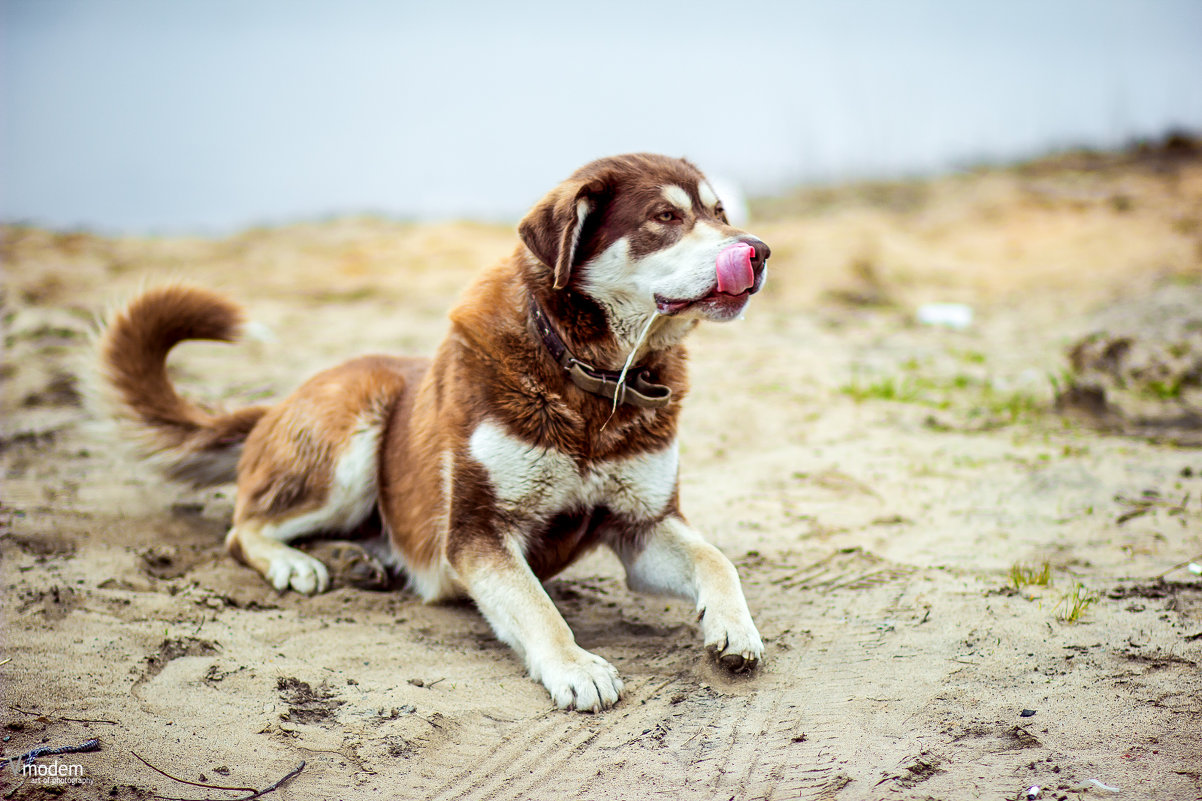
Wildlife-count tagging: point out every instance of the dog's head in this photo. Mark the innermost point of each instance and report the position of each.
(643, 235)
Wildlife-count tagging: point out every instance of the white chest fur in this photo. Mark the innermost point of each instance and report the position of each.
(535, 482)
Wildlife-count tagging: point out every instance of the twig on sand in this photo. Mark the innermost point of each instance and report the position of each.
(253, 792)
(1196, 560)
(16, 708)
(185, 781)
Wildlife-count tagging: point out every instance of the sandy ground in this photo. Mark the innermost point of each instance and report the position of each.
(874, 479)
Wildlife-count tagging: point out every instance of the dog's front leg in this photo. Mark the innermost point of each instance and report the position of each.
(674, 560)
(523, 616)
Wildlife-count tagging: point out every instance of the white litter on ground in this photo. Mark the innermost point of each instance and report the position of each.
(957, 316)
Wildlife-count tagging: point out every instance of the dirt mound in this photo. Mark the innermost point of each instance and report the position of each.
(1141, 372)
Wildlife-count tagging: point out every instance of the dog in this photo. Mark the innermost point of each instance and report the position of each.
(544, 426)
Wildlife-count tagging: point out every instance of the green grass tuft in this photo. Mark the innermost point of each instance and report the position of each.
(1023, 576)
(887, 389)
(1164, 390)
(1074, 603)
(975, 397)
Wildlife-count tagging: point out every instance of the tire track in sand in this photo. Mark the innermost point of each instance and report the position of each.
(523, 759)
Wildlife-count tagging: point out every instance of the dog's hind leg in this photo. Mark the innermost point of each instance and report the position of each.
(310, 467)
(336, 504)
(282, 565)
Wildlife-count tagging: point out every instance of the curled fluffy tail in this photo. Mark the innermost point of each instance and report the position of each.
(189, 442)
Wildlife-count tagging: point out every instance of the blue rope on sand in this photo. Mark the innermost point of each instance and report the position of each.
(30, 757)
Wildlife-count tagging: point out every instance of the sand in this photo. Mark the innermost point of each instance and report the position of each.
(874, 479)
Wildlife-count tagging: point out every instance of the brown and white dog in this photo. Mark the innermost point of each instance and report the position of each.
(522, 445)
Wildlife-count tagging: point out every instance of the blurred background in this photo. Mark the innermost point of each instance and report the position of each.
(206, 116)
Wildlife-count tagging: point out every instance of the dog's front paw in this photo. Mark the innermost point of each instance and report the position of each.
(585, 682)
(301, 572)
(734, 643)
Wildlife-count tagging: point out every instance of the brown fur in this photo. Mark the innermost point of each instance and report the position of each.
(200, 445)
(311, 429)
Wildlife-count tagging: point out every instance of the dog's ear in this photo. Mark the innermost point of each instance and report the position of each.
(552, 228)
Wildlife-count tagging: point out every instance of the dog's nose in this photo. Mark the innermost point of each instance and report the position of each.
(760, 253)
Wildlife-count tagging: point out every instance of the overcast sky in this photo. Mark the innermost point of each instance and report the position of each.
(144, 116)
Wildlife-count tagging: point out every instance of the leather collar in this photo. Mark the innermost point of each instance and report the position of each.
(636, 390)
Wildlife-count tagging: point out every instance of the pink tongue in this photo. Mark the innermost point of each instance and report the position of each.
(735, 275)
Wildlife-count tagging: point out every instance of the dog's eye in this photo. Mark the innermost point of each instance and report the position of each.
(720, 213)
(667, 216)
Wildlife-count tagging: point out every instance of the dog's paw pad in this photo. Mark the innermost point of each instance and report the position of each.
(586, 684)
(302, 573)
(737, 663)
